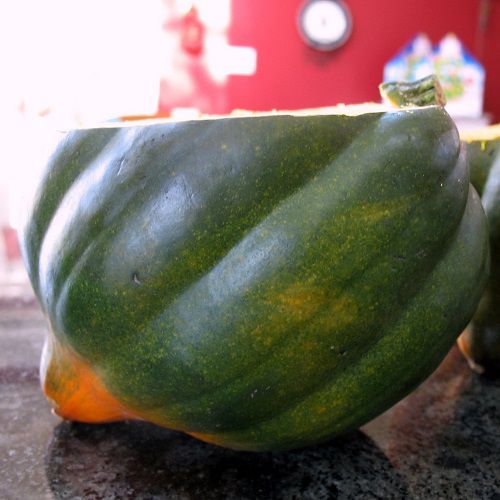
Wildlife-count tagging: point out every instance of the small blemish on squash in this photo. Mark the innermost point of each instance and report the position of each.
(421, 254)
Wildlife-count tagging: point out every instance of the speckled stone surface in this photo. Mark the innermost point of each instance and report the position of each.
(441, 442)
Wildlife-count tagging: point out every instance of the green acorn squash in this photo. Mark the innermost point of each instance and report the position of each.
(260, 282)
(481, 340)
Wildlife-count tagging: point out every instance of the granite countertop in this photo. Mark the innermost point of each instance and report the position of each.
(441, 442)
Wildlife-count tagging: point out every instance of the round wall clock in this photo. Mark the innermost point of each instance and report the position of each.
(325, 24)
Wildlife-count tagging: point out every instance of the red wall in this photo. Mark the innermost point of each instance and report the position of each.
(291, 75)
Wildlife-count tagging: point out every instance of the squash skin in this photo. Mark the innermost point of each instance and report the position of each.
(261, 283)
(480, 342)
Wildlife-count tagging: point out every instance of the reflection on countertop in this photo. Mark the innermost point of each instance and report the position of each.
(442, 441)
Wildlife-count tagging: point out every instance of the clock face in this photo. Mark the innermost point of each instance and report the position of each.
(324, 24)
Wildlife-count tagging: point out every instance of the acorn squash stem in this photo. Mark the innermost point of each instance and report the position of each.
(424, 92)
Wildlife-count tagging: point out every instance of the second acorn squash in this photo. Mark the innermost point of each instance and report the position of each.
(481, 340)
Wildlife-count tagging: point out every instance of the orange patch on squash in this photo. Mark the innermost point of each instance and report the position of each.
(74, 389)
(464, 344)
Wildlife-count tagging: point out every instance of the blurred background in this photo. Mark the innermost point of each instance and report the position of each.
(69, 63)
